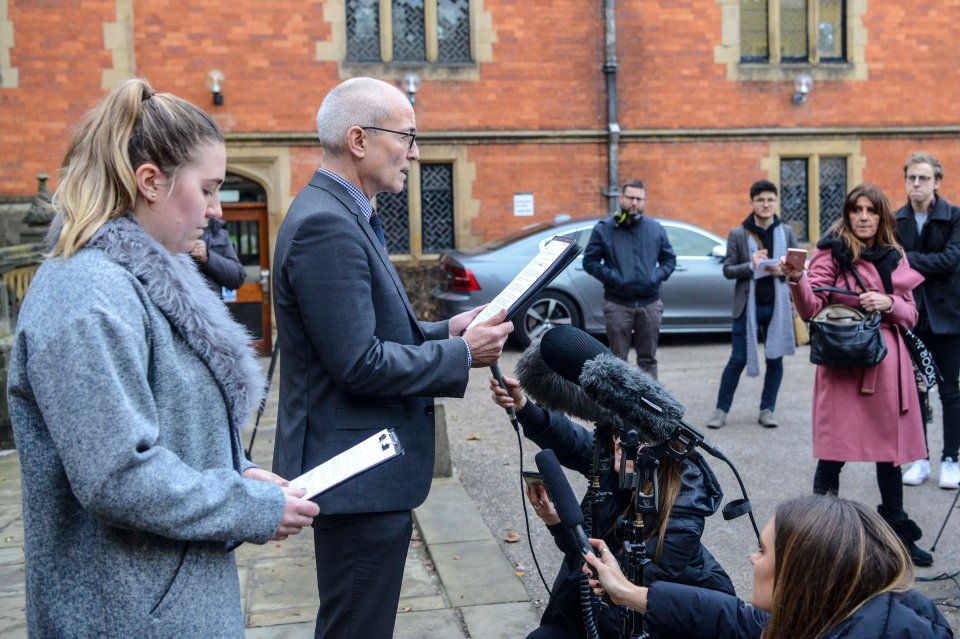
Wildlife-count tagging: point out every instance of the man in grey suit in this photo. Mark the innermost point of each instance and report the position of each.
(355, 359)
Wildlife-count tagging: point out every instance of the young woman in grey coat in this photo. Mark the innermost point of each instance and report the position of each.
(128, 386)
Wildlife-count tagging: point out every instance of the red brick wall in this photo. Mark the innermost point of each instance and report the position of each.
(546, 74)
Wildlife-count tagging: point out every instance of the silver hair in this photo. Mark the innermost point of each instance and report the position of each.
(353, 102)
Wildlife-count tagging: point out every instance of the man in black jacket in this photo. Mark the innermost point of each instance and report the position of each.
(218, 261)
(928, 228)
(631, 255)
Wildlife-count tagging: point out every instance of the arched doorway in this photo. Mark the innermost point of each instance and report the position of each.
(245, 212)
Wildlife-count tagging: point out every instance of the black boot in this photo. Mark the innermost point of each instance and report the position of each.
(909, 533)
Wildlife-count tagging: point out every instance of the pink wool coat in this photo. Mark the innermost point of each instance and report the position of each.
(865, 414)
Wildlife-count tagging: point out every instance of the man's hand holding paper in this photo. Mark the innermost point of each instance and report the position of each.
(487, 338)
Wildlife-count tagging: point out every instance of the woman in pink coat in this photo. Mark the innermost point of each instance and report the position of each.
(866, 414)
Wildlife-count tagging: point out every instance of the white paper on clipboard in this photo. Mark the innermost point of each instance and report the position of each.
(526, 278)
(372, 451)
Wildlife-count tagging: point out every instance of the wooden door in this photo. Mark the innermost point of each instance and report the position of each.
(247, 226)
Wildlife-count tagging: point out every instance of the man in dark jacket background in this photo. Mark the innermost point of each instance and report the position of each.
(218, 261)
(631, 256)
(928, 228)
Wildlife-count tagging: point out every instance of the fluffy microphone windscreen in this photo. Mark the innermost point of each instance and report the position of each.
(559, 489)
(565, 349)
(633, 395)
(554, 392)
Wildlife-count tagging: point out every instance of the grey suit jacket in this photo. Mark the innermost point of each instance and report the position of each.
(737, 264)
(354, 358)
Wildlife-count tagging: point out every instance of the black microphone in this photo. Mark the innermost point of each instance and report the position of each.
(563, 498)
(618, 387)
(553, 391)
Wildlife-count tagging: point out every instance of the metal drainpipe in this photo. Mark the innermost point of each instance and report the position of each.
(613, 126)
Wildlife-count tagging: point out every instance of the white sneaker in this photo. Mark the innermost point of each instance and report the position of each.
(949, 474)
(919, 472)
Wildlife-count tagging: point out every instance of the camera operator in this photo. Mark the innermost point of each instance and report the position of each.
(689, 492)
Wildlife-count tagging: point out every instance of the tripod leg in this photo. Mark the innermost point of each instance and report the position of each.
(263, 402)
(945, 519)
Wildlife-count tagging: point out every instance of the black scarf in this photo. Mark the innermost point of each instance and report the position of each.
(884, 259)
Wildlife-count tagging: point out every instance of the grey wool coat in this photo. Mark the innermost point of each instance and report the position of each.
(128, 386)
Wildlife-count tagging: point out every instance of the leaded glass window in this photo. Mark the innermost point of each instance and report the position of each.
(793, 30)
(453, 30)
(831, 40)
(753, 31)
(806, 30)
(409, 41)
(363, 30)
(833, 191)
(794, 207)
(436, 206)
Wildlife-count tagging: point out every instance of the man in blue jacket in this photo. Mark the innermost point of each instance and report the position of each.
(631, 256)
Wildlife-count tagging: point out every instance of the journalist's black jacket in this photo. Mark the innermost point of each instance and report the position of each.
(935, 254)
(683, 559)
(675, 611)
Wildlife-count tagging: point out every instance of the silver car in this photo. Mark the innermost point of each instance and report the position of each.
(696, 299)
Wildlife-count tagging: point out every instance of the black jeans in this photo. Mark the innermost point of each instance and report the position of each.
(946, 354)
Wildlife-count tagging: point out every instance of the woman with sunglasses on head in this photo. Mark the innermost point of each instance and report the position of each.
(826, 568)
(866, 414)
(689, 492)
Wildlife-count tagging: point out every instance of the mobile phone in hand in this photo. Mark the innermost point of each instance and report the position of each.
(531, 477)
(797, 258)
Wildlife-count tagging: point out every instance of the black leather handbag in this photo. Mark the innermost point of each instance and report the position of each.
(845, 337)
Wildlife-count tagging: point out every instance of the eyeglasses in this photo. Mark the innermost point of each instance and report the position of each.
(923, 179)
(765, 200)
(402, 134)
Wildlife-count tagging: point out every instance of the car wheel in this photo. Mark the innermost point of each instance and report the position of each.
(548, 309)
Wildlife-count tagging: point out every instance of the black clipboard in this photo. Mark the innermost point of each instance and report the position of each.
(557, 254)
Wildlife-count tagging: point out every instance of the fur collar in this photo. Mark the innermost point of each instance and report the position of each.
(174, 284)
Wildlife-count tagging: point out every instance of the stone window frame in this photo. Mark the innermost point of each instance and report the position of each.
(9, 75)
(728, 52)
(813, 150)
(466, 208)
(482, 38)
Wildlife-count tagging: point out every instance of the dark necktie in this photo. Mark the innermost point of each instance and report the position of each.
(378, 228)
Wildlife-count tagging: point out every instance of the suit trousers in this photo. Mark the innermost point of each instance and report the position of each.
(637, 324)
(360, 562)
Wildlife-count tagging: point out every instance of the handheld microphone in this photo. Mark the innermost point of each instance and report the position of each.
(511, 413)
(563, 498)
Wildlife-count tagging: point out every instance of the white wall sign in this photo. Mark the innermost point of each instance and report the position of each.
(523, 204)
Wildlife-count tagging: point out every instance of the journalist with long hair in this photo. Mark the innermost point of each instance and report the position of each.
(689, 492)
(866, 414)
(128, 386)
(825, 568)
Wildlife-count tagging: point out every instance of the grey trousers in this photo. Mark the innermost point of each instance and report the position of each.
(639, 325)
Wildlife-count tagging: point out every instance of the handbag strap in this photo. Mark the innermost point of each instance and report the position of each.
(856, 276)
(835, 289)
